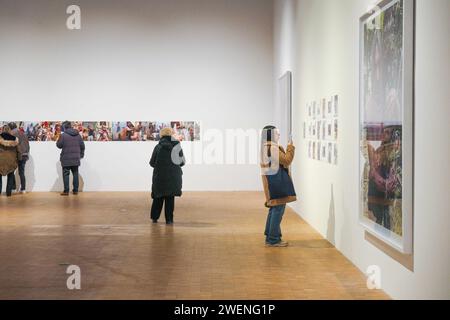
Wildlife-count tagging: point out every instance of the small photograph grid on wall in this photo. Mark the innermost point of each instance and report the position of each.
(321, 130)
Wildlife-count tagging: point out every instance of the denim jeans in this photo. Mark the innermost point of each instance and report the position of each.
(273, 229)
(23, 184)
(66, 176)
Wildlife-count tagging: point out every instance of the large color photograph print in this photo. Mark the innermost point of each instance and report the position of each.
(104, 131)
(382, 127)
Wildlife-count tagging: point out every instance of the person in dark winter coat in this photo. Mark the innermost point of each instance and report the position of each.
(167, 160)
(24, 150)
(72, 146)
(9, 157)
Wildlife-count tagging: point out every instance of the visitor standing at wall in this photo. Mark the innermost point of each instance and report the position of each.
(72, 151)
(24, 151)
(167, 160)
(9, 158)
(277, 182)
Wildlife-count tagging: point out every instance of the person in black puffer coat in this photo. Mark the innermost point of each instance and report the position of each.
(72, 146)
(167, 160)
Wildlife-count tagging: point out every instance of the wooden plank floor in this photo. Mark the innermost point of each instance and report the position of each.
(215, 250)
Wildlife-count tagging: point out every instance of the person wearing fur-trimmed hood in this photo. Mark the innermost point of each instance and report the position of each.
(9, 157)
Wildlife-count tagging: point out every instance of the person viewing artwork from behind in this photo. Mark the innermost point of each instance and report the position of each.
(9, 158)
(72, 151)
(167, 160)
(24, 150)
(277, 182)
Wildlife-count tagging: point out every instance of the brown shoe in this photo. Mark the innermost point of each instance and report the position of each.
(64, 193)
(75, 193)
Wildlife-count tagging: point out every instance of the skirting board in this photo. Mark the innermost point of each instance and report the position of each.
(407, 260)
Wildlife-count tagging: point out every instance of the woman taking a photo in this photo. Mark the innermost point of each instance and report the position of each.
(277, 182)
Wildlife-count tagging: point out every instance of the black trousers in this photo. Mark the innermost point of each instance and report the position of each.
(169, 206)
(9, 184)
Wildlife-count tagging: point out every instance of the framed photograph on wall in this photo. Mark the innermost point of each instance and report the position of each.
(323, 156)
(335, 154)
(318, 123)
(314, 150)
(335, 103)
(330, 129)
(324, 130)
(335, 129)
(386, 122)
(319, 150)
(283, 112)
(313, 129)
(329, 152)
(324, 108)
(304, 129)
(309, 149)
(314, 109)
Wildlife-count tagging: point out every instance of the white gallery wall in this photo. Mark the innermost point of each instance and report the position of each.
(319, 41)
(218, 62)
(149, 60)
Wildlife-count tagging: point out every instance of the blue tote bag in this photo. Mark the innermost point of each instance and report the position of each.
(280, 184)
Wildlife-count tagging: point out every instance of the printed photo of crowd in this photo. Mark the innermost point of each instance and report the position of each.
(39, 131)
(109, 130)
(149, 131)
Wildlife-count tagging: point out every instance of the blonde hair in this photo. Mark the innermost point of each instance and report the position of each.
(166, 132)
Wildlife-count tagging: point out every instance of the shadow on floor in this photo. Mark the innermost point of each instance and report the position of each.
(331, 226)
(316, 243)
(29, 175)
(58, 185)
(193, 224)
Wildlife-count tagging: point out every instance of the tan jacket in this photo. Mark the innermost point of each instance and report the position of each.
(9, 155)
(285, 160)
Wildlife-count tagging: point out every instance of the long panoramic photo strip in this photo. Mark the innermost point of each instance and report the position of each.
(104, 131)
